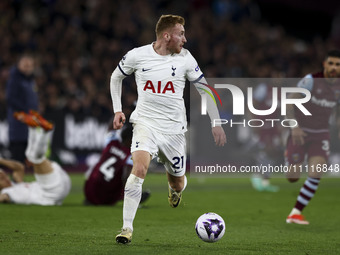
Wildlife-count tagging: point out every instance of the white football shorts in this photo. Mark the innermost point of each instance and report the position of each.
(55, 186)
(170, 149)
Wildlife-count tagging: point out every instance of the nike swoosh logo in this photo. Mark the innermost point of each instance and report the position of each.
(144, 70)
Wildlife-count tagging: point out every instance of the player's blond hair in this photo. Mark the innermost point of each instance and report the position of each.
(168, 21)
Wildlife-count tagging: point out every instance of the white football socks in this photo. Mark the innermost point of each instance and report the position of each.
(31, 139)
(38, 141)
(185, 183)
(132, 197)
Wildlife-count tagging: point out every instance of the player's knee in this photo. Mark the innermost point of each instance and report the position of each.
(140, 170)
(315, 175)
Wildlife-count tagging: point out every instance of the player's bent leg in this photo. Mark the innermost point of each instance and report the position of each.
(38, 144)
(53, 180)
(133, 194)
(176, 186)
(44, 167)
(177, 183)
(307, 191)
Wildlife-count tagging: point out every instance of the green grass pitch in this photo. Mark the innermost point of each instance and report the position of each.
(255, 221)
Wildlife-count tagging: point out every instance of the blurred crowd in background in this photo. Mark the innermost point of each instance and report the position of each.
(79, 43)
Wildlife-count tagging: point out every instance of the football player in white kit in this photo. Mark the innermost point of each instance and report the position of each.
(52, 183)
(159, 120)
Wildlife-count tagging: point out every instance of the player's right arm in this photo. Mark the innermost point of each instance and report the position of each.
(124, 69)
(17, 168)
(116, 94)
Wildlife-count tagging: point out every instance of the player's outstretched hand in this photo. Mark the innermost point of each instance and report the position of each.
(119, 120)
(298, 136)
(219, 136)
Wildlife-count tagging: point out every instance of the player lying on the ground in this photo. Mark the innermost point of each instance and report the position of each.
(106, 179)
(52, 183)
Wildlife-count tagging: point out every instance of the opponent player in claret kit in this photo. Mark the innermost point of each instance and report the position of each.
(105, 180)
(311, 137)
(52, 183)
(161, 69)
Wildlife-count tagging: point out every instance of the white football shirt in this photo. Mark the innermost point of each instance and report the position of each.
(27, 193)
(160, 83)
(49, 189)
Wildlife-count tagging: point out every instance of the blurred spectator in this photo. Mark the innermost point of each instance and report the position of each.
(78, 42)
(21, 96)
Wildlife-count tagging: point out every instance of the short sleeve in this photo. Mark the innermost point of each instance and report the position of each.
(306, 83)
(193, 73)
(127, 63)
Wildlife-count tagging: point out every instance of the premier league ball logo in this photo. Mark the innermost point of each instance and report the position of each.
(210, 227)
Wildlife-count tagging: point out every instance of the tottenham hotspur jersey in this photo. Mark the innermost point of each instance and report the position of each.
(160, 83)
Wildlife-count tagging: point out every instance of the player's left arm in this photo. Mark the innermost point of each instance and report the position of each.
(216, 129)
(17, 168)
(195, 75)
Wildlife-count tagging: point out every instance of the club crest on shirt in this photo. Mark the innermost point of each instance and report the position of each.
(173, 70)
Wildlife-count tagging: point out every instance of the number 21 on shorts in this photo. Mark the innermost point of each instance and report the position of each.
(178, 163)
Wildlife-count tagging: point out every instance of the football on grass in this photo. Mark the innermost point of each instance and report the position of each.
(210, 227)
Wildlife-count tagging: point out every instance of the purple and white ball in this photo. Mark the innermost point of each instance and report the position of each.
(210, 227)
